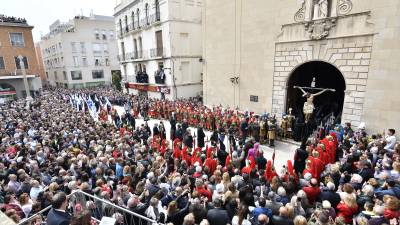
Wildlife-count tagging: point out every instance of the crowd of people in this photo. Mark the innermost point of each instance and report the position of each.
(52, 149)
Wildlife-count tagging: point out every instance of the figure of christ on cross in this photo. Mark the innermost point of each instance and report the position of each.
(308, 107)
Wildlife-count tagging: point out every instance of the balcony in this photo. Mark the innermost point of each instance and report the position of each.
(157, 52)
(142, 77)
(159, 77)
(144, 23)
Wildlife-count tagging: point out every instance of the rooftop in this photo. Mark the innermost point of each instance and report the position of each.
(13, 21)
(68, 27)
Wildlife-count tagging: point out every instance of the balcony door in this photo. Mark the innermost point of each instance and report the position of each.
(159, 42)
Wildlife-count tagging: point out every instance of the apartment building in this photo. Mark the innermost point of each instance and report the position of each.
(80, 53)
(160, 47)
(16, 40)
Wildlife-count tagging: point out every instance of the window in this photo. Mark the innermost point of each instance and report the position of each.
(83, 47)
(2, 66)
(47, 75)
(17, 40)
(104, 35)
(97, 74)
(111, 34)
(133, 19)
(146, 8)
(65, 75)
(97, 48)
(97, 34)
(157, 3)
(55, 75)
(107, 62)
(74, 47)
(76, 61)
(97, 61)
(138, 18)
(120, 27)
(59, 45)
(126, 23)
(25, 60)
(76, 75)
(105, 48)
(84, 61)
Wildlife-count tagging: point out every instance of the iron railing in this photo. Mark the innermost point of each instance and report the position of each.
(136, 26)
(98, 207)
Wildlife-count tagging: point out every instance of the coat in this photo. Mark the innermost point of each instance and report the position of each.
(330, 196)
(200, 137)
(55, 217)
(218, 216)
(346, 212)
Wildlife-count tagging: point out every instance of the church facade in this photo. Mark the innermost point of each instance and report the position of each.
(257, 52)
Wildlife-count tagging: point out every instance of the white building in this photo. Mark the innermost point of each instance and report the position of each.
(80, 53)
(160, 47)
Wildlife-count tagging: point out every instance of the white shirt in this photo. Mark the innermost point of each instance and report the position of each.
(235, 221)
(391, 142)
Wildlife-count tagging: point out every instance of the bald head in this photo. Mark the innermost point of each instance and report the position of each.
(263, 219)
(283, 211)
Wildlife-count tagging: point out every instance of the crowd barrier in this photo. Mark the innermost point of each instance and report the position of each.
(98, 207)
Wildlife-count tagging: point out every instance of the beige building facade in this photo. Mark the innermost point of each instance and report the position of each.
(256, 52)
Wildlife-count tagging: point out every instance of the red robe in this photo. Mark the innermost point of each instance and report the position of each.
(211, 164)
(185, 156)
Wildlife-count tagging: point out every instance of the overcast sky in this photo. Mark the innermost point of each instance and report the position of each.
(42, 13)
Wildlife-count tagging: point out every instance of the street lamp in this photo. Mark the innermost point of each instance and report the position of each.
(28, 93)
(234, 81)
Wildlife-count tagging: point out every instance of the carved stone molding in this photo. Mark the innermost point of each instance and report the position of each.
(301, 13)
(319, 29)
(344, 7)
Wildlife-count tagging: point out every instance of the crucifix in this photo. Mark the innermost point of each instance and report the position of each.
(308, 107)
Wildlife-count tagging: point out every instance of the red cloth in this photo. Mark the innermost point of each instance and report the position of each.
(346, 212)
(246, 169)
(391, 214)
(211, 164)
(312, 193)
(204, 192)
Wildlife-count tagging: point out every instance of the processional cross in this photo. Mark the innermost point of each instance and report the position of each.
(308, 107)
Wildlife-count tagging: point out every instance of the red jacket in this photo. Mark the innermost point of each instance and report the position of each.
(204, 192)
(346, 212)
(312, 193)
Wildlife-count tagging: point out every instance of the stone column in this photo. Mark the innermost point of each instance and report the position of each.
(333, 7)
(28, 93)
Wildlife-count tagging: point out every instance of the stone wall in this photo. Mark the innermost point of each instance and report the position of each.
(350, 55)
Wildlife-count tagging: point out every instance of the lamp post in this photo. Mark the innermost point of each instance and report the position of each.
(234, 81)
(28, 93)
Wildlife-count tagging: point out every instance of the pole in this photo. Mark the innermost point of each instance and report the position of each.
(28, 94)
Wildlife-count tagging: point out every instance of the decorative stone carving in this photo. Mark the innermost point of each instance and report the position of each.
(301, 13)
(319, 29)
(321, 9)
(344, 7)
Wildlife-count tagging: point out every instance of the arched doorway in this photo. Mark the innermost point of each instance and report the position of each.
(326, 76)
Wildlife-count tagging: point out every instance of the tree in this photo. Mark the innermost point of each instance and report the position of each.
(116, 79)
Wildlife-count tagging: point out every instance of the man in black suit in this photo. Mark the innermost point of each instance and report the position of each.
(58, 214)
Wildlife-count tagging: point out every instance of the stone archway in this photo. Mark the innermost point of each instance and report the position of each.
(351, 56)
(326, 76)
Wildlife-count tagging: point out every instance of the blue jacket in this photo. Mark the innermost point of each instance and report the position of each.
(258, 211)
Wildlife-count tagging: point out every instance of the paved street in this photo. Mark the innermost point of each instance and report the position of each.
(283, 151)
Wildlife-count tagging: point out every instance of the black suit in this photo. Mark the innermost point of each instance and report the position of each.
(218, 216)
(55, 217)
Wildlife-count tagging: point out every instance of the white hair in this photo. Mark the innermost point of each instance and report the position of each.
(330, 186)
(281, 191)
(356, 178)
(368, 190)
(326, 204)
